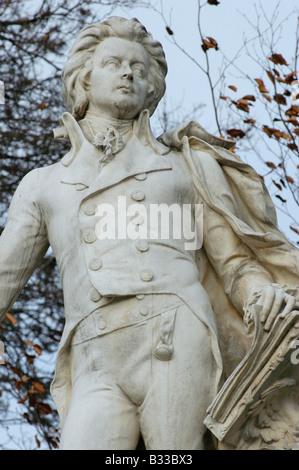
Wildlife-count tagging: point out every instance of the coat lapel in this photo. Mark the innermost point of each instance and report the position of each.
(134, 159)
(141, 154)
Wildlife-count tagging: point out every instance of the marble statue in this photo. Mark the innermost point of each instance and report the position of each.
(154, 326)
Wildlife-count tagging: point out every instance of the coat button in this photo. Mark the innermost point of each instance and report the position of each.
(138, 195)
(137, 219)
(89, 209)
(147, 275)
(142, 245)
(89, 236)
(140, 296)
(144, 311)
(102, 323)
(140, 176)
(95, 264)
(95, 295)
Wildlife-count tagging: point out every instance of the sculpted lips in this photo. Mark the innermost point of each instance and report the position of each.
(126, 88)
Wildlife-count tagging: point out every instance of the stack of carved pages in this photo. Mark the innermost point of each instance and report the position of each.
(258, 405)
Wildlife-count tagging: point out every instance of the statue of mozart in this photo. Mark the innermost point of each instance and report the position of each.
(153, 325)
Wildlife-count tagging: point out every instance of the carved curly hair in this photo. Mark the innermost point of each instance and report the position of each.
(77, 69)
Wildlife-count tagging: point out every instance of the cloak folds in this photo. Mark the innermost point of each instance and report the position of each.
(246, 205)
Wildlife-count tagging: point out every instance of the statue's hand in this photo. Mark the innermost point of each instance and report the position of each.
(275, 300)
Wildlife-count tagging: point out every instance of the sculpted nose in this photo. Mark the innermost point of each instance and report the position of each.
(127, 73)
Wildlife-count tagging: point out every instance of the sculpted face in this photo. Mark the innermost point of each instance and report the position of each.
(119, 82)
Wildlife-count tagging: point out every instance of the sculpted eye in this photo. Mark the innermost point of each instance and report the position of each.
(138, 69)
(111, 64)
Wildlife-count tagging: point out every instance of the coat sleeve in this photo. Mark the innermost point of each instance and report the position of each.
(23, 242)
(240, 272)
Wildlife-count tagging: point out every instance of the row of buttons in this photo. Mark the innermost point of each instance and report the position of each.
(142, 245)
(146, 275)
(90, 207)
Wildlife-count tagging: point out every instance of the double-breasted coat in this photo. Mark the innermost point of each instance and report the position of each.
(57, 206)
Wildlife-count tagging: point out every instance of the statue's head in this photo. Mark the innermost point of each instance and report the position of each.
(117, 62)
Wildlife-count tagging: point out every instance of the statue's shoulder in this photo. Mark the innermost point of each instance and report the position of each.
(195, 133)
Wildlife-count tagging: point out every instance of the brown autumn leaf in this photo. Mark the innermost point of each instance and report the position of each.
(281, 198)
(277, 185)
(280, 134)
(271, 76)
(261, 85)
(223, 97)
(11, 318)
(213, 42)
(43, 408)
(37, 349)
(290, 77)
(38, 387)
(232, 87)
(243, 101)
(290, 179)
(30, 358)
(271, 164)
(213, 2)
(209, 43)
(292, 111)
(294, 229)
(281, 180)
(242, 104)
(249, 121)
(278, 59)
(293, 121)
(268, 131)
(22, 400)
(18, 382)
(272, 132)
(280, 99)
(267, 97)
(236, 133)
(43, 105)
(37, 441)
(293, 147)
(27, 417)
(169, 31)
(296, 131)
(249, 97)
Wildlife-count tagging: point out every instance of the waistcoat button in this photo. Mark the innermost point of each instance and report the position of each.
(89, 236)
(95, 295)
(144, 311)
(147, 275)
(140, 296)
(102, 323)
(95, 264)
(89, 209)
(142, 245)
(141, 176)
(138, 195)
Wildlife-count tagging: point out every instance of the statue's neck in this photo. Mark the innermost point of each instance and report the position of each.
(101, 123)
